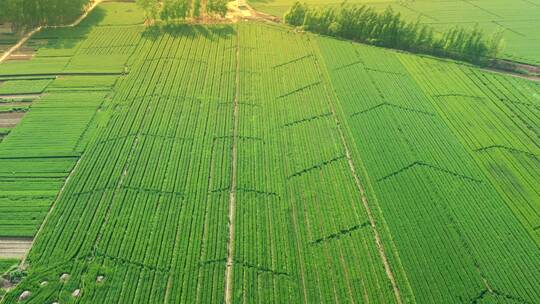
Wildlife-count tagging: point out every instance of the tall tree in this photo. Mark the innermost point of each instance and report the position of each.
(218, 7)
(150, 7)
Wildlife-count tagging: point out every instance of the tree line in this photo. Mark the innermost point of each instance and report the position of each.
(173, 10)
(389, 29)
(24, 14)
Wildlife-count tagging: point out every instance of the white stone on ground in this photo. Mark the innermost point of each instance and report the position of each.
(25, 295)
(76, 293)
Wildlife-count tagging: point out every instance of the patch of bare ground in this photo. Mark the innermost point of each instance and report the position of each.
(20, 44)
(516, 69)
(240, 10)
(10, 119)
(17, 97)
(14, 247)
(236, 11)
(21, 57)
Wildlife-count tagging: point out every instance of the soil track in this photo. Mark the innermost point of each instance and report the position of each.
(232, 193)
(18, 96)
(14, 247)
(10, 119)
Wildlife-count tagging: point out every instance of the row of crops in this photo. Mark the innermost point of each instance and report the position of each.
(298, 212)
(442, 208)
(146, 209)
(64, 88)
(358, 175)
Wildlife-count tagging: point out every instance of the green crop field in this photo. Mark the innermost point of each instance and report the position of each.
(251, 163)
(518, 20)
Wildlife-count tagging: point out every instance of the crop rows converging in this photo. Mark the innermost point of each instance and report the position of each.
(145, 206)
(207, 165)
(441, 204)
(299, 212)
(517, 20)
(63, 89)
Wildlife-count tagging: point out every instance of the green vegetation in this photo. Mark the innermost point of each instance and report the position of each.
(37, 155)
(389, 29)
(170, 11)
(352, 173)
(30, 13)
(517, 20)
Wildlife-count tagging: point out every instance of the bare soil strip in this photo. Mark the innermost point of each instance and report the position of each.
(361, 190)
(14, 247)
(19, 96)
(532, 77)
(10, 119)
(232, 192)
(20, 57)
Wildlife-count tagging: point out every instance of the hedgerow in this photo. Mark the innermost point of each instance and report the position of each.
(389, 29)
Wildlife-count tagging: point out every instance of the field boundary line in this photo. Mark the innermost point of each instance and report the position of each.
(359, 186)
(232, 191)
(39, 28)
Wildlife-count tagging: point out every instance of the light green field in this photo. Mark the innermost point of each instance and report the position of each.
(354, 174)
(37, 155)
(517, 19)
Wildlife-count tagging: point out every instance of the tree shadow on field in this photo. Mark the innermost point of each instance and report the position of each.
(69, 37)
(94, 18)
(261, 1)
(210, 32)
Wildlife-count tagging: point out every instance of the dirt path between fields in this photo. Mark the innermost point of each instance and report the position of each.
(360, 188)
(10, 119)
(237, 12)
(232, 192)
(506, 67)
(28, 35)
(14, 247)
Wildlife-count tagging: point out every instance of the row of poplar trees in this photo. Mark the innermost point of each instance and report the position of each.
(24, 14)
(389, 29)
(170, 10)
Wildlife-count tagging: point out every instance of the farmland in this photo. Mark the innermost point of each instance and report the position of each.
(516, 19)
(205, 164)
